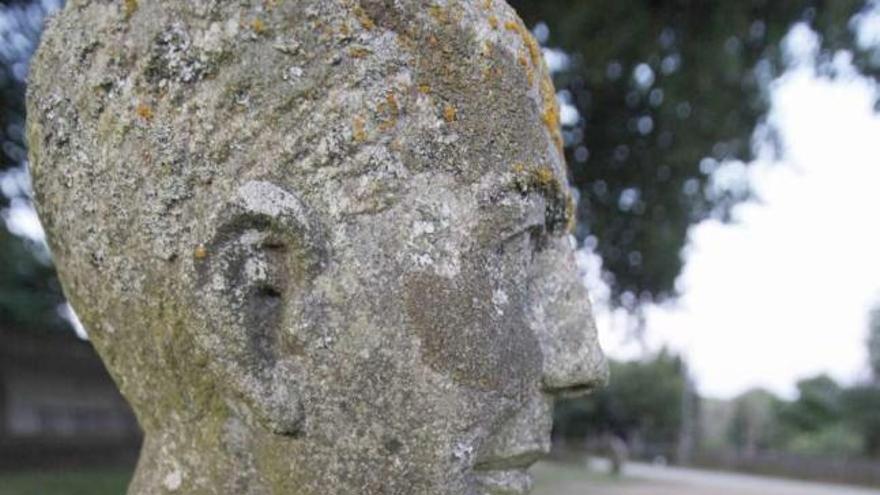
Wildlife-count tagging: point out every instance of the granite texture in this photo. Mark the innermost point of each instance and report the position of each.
(322, 246)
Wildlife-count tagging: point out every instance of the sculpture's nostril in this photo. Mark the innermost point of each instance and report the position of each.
(576, 374)
(573, 392)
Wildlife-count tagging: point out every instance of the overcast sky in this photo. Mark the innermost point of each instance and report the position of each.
(784, 292)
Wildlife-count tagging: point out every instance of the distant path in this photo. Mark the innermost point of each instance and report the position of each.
(645, 479)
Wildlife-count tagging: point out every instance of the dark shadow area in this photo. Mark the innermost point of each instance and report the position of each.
(59, 409)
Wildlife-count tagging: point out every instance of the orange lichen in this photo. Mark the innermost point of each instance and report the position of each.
(523, 60)
(364, 18)
(493, 22)
(533, 46)
(551, 118)
(543, 177)
(359, 52)
(358, 129)
(450, 114)
(539, 178)
(491, 72)
(391, 102)
(200, 252)
(528, 40)
(129, 7)
(487, 4)
(550, 113)
(439, 14)
(144, 111)
(424, 89)
(392, 109)
(548, 92)
(258, 26)
(488, 49)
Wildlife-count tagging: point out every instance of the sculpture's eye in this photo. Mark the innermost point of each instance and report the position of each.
(531, 238)
(538, 237)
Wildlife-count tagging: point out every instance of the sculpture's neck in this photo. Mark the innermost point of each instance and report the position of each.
(204, 459)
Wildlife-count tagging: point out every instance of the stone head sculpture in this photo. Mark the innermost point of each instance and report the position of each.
(321, 245)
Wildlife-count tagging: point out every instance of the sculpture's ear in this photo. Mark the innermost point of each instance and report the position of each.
(254, 279)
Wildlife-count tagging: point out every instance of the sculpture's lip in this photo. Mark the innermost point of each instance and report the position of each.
(507, 473)
(505, 481)
(520, 460)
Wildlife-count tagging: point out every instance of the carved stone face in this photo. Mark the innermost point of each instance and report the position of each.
(430, 338)
(321, 245)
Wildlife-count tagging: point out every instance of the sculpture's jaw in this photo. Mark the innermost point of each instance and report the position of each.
(501, 467)
(505, 482)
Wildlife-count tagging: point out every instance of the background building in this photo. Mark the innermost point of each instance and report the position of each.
(58, 405)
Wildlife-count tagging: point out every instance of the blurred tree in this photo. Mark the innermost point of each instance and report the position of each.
(753, 427)
(20, 26)
(29, 292)
(862, 404)
(825, 418)
(819, 421)
(874, 344)
(666, 90)
(30, 296)
(834, 440)
(818, 405)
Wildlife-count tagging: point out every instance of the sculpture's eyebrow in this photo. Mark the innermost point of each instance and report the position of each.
(263, 205)
(265, 198)
(509, 212)
(538, 184)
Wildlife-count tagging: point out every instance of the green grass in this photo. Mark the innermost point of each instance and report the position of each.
(552, 478)
(556, 478)
(92, 482)
(114, 482)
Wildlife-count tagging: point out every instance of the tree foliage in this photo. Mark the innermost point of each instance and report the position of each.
(874, 343)
(29, 291)
(754, 426)
(862, 404)
(825, 418)
(644, 405)
(30, 296)
(819, 403)
(666, 91)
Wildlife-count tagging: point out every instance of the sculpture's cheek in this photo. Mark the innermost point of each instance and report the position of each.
(465, 336)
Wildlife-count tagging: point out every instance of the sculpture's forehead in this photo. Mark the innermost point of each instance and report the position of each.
(344, 112)
(405, 88)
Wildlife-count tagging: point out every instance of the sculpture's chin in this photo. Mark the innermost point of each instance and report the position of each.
(516, 481)
(277, 403)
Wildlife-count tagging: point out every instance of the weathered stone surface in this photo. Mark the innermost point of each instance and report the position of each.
(320, 244)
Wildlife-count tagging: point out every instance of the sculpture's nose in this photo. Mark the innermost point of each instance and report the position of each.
(563, 321)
